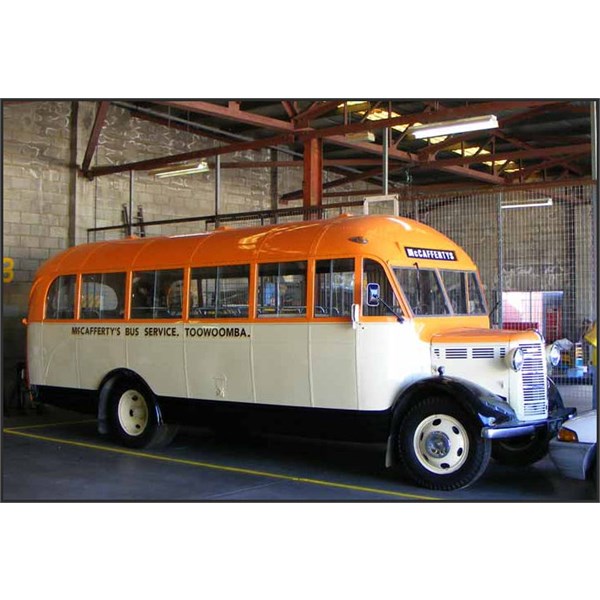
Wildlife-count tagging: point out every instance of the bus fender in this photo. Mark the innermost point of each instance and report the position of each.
(480, 402)
(105, 390)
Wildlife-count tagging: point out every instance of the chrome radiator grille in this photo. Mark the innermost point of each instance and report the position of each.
(535, 402)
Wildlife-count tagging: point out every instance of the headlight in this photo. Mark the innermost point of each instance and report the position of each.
(553, 355)
(567, 435)
(514, 359)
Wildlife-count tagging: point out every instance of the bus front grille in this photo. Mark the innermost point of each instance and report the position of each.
(535, 401)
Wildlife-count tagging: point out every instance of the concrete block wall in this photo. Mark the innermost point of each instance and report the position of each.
(48, 206)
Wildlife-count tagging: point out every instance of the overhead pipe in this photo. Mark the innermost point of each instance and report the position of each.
(594, 126)
(386, 162)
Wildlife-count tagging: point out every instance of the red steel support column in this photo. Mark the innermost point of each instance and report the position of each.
(313, 173)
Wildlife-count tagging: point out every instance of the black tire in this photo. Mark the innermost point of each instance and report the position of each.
(440, 446)
(521, 451)
(135, 418)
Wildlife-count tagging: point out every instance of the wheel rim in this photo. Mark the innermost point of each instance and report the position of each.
(133, 413)
(441, 444)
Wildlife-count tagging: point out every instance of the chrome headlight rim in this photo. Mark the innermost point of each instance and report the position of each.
(552, 355)
(515, 359)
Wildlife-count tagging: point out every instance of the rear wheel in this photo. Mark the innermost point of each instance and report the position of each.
(135, 416)
(440, 446)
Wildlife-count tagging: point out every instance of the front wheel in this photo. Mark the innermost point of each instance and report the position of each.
(440, 445)
(135, 416)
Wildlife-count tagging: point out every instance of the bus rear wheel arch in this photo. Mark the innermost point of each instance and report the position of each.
(134, 415)
(439, 444)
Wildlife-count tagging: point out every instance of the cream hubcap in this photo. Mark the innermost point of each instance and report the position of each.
(441, 444)
(133, 412)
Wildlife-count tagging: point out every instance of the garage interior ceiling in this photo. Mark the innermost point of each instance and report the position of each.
(536, 141)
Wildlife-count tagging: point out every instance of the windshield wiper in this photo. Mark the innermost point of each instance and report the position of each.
(398, 316)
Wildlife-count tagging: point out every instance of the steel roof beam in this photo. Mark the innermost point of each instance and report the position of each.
(526, 172)
(332, 184)
(451, 141)
(315, 111)
(413, 159)
(481, 108)
(513, 155)
(94, 135)
(233, 113)
(328, 162)
(289, 109)
(526, 146)
(153, 163)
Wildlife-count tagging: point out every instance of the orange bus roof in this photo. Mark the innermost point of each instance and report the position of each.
(386, 237)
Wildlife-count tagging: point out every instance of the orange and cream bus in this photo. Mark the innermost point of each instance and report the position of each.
(375, 324)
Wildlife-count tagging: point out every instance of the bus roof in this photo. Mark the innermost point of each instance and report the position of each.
(395, 240)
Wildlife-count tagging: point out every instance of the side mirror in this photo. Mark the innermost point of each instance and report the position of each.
(373, 294)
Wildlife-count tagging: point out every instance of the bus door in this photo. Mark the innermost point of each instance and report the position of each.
(332, 339)
(389, 353)
(59, 355)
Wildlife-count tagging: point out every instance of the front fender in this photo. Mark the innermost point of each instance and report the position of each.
(474, 398)
(488, 408)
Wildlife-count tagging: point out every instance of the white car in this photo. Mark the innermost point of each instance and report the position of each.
(573, 450)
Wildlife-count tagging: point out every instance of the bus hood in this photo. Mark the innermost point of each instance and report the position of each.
(485, 336)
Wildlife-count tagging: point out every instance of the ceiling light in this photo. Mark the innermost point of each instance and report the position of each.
(531, 204)
(457, 126)
(185, 169)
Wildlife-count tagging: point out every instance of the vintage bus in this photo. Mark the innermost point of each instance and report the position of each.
(359, 324)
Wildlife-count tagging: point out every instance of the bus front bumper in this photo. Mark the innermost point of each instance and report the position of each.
(513, 428)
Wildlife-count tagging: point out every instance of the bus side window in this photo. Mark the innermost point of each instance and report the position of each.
(157, 294)
(103, 296)
(373, 272)
(219, 292)
(60, 302)
(334, 287)
(282, 289)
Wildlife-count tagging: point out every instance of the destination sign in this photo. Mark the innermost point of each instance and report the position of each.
(430, 253)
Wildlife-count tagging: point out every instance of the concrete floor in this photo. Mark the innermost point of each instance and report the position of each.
(56, 455)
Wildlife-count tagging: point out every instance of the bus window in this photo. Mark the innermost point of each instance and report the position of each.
(60, 302)
(219, 292)
(456, 284)
(157, 294)
(456, 288)
(476, 302)
(282, 289)
(334, 287)
(373, 272)
(423, 291)
(102, 296)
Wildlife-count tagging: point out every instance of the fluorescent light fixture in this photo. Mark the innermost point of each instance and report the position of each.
(531, 204)
(458, 126)
(185, 169)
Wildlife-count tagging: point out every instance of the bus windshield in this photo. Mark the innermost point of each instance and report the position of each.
(434, 292)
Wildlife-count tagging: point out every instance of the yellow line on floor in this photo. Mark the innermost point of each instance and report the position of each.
(40, 425)
(194, 463)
